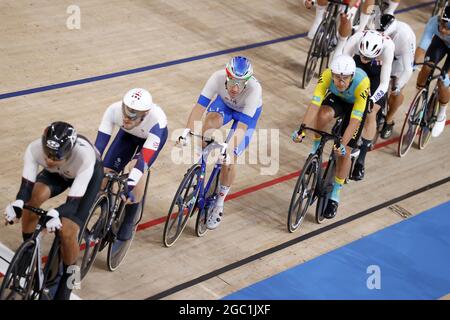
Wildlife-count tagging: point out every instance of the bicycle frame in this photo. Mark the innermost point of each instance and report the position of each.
(201, 195)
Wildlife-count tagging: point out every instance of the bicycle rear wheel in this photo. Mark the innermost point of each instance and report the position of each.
(19, 279)
(302, 197)
(314, 54)
(184, 200)
(324, 189)
(411, 123)
(91, 236)
(430, 118)
(210, 199)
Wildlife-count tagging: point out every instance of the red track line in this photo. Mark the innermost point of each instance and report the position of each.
(263, 185)
(257, 187)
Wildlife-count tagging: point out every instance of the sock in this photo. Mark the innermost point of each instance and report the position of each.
(26, 236)
(63, 292)
(363, 20)
(320, 11)
(223, 191)
(442, 110)
(363, 151)
(392, 6)
(315, 146)
(337, 187)
(126, 229)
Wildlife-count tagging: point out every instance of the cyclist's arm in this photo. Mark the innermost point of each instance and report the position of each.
(105, 130)
(319, 95)
(385, 76)
(406, 60)
(361, 95)
(29, 174)
(209, 90)
(147, 155)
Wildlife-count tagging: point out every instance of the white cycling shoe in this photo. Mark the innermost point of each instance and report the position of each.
(215, 218)
(438, 127)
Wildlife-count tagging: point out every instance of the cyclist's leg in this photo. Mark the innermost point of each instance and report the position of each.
(329, 110)
(320, 12)
(120, 152)
(341, 109)
(366, 11)
(434, 54)
(344, 31)
(71, 226)
(444, 95)
(131, 210)
(393, 4)
(220, 114)
(48, 185)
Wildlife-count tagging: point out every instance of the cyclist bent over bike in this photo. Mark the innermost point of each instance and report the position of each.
(342, 91)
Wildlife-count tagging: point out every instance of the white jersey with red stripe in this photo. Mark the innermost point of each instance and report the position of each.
(114, 117)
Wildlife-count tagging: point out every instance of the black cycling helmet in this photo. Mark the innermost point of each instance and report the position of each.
(387, 24)
(58, 140)
(445, 15)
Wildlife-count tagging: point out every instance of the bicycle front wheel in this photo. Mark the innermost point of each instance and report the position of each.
(183, 204)
(303, 193)
(91, 235)
(411, 123)
(211, 195)
(430, 118)
(324, 189)
(19, 279)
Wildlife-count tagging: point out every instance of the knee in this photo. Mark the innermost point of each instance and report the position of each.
(325, 115)
(213, 120)
(69, 231)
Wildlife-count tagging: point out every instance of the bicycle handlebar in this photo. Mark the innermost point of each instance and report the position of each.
(429, 64)
(325, 135)
(38, 211)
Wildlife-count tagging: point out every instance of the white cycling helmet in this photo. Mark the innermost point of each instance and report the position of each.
(371, 44)
(138, 99)
(343, 65)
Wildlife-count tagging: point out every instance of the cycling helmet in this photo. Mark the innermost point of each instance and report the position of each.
(138, 99)
(239, 68)
(58, 140)
(388, 24)
(371, 44)
(343, 65)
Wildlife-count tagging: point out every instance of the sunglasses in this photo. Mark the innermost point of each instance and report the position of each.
(131, 113)
(241, 83)
(342, 77)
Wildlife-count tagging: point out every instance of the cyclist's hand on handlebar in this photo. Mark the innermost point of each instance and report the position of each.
(54, 223)
(340, 149)
(298, 135)
(13, 211)
(183, 140)
(128, 195)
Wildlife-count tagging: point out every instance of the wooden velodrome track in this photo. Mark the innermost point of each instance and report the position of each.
(39, 50)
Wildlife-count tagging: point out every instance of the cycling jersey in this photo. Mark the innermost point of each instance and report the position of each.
(432, 29)
(387, 57)
(357, 93)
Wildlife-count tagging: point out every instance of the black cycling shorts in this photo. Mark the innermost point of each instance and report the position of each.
(59, 184)
(436, 52)
(344, 109)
